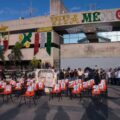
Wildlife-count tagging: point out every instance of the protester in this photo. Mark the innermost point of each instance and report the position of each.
(61, 76)
(109, 75)
(80, 73)
(3, 75)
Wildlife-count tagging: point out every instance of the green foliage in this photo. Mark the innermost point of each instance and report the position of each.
(16, 54)
(35, 63)
(2, 35)
(2, 57)
(18, 45)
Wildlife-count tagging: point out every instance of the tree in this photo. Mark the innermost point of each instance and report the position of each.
(2, 57)
(35, 63)
(16, 54)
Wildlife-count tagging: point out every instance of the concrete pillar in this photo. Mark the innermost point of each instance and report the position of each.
(57, 7)
(56, 51)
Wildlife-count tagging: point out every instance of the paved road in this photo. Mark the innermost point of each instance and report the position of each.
(66, 109)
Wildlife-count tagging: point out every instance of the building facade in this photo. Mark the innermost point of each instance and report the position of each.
(89, 50)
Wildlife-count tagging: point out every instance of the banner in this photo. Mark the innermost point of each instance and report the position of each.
(47, 76)
(48, 44)
(25, 39)
(43, 39)
(5, 43)
(36, 44)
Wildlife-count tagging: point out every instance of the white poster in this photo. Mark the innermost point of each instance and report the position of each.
(47, 76)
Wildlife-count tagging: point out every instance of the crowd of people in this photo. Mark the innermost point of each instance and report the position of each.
(111, 75)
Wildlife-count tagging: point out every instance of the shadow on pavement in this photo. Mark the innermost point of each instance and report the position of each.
(96, 110)
(61, 114)
(11, 113)
(117, 88)
(1, 104)
(42, 111)
(99, 110)
(115, 99)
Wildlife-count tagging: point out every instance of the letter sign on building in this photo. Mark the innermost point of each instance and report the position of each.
(118, 14)
(96, 16)
(64, 20)
(91, 17)
(86, 17)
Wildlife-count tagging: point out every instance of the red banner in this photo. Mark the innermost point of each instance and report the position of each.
(36, 44)
(5, 43)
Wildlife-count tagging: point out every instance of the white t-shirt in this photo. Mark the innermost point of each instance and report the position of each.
(86, 74)
(118, 74)
(109, 74)
(80, 73)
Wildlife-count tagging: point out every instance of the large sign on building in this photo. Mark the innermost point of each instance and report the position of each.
(86, 17)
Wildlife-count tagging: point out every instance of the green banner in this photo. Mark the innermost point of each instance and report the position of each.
(48, 44)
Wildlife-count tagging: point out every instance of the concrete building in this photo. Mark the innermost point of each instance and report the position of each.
(90, 49)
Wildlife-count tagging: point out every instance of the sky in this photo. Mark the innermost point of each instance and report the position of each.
(14, 9)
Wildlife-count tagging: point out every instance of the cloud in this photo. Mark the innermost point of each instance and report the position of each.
(75, 8)
(1, 12)
(29, 12)
(9, 11)
(17, 12)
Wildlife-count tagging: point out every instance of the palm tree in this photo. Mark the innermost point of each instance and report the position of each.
(2, 57)
(16, 54)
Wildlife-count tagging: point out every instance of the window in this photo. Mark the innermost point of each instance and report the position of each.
(113, 36)
(74, 38)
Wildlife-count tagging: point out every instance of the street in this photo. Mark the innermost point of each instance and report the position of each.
(66, 109)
